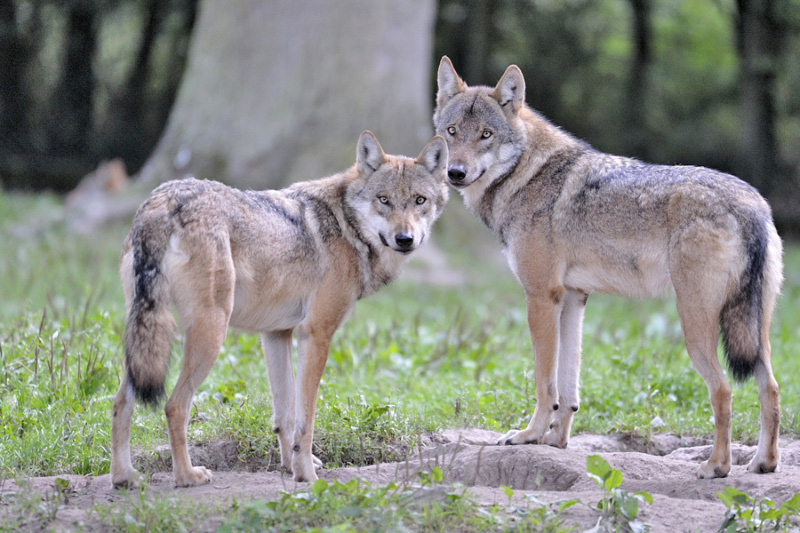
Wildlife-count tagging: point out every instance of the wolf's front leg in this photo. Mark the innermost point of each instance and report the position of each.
(544, 317)
(312, 356)
(569, 367)
(277, 347)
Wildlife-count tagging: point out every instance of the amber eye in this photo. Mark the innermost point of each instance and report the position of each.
(451, 130)
(382, 199)
(486, 134)
(420, 200)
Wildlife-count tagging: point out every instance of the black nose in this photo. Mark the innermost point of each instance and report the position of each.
(456, 173)
(404, 240)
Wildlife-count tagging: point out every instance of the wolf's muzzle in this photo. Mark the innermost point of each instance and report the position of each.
(404, 241)
(456, 174)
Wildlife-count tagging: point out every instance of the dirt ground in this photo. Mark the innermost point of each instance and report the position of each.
(664, 467)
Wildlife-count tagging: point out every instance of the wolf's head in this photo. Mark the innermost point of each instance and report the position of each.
(482, 126)
(396, 199)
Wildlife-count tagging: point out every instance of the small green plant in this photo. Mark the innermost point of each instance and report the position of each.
(748, 514)
(619, 508)
(144, 512)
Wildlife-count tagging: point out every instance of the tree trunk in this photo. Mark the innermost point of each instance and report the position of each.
(73, 101)
(759, 41)
(13, 94)
(278, 91)
(635, 111)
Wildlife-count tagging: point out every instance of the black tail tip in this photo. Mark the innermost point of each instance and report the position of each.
(741, 369)
(150, 395)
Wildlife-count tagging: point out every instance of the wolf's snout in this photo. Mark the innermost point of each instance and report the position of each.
(456, 173)
(404, 241)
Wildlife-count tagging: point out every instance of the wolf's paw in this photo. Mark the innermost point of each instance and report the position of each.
(196, 475)
(317, 462)
(555, 438)
(761, 466)
(707, 470)
(125, 480)
(306, 470)
(518, 437)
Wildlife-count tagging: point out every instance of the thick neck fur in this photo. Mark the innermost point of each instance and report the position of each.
(537, 141)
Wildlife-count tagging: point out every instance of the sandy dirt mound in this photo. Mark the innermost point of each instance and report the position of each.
(681, 502)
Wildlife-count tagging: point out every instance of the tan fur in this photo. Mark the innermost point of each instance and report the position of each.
(576, 221)
(274, 262)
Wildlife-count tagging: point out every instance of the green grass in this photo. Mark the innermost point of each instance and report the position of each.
(413, 358)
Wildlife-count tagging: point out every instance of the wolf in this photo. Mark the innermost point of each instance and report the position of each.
(275, 262)
(575, 221)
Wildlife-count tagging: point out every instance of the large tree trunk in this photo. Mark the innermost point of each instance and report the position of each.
(759, 42)
(278, 91)
(635, 110)
(71, 121)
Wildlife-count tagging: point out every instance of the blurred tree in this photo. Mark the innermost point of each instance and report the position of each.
(279, 91)
(70, 120)
(85, 80)
(14, 99)
(641, 57)
(760, 39)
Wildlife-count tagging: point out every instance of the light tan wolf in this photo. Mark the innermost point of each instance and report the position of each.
(271, 262)
(575, 221)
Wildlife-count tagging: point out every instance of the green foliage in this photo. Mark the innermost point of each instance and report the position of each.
(414, 358)
(355, 506)
(143, 512)
(618, 507)
(748, 514)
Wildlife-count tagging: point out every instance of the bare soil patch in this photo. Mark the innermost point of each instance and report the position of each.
(664, 466)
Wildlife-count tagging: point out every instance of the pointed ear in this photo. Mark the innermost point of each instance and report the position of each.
(434, 156)
(449, 82)
(510, 90)
(369, 154)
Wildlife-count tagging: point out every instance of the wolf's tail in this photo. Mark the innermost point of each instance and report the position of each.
(150, 327)
(749, 307)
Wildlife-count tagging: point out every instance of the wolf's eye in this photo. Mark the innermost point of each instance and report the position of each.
(451, 130)
(420, 200)
(486, 134)
(383, 199)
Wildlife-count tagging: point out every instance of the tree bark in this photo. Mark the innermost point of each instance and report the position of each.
(278, 91)
(635, 110)
(13, 94)
(73, 100)
(759, 41)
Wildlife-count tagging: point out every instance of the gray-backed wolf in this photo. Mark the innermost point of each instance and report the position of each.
(270, 262)
(575, 221)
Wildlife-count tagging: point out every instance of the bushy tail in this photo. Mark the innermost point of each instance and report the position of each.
(150, 326)
(742, 316)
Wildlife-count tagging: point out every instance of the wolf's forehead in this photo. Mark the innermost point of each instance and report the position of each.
(473, 106)
(405, 176)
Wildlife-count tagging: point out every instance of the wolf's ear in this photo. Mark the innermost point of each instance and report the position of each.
(510, 90)
(434, 156)
(369, 154)
(449, 82)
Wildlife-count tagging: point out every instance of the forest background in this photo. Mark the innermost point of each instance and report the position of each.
(258, 94)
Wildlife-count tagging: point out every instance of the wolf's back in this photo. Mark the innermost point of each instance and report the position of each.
(150, 326)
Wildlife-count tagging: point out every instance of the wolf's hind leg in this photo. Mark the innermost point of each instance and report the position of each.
(767, 454)
(122, 472)
(569, 366)
(699, 312)
(203, 342)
